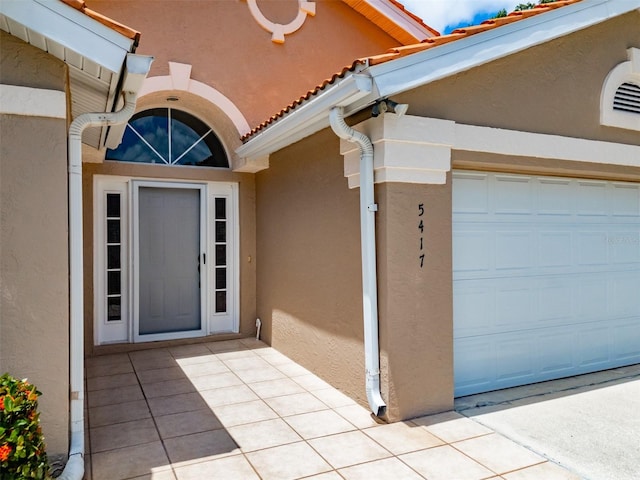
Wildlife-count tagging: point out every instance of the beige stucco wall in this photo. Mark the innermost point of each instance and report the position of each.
(551, 88)
(232, 53)
(34, 294)
(309, 270)
(415, 298)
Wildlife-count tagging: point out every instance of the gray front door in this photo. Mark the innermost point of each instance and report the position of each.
(169, 253)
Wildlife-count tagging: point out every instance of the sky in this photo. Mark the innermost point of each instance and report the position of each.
(446, 15)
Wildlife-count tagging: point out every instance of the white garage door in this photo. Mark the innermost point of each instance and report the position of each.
(546, 278)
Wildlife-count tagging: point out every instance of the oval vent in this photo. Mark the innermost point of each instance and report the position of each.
(627, 98)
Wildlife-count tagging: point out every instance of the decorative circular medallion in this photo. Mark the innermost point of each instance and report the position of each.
(277, 30)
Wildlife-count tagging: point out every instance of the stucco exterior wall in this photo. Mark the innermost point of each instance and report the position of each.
(415, 298)
(232, 53)
(309, 270)
(34, 293)
(552, 88)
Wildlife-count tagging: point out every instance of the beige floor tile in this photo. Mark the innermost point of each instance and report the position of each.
(225, 346)
(209, 357)
(184, 402)
(295, 404)
(266, 434)
(274, 357)
(245, 363)
(327, 476)
(402, 437)
(129, 462)
(292, 369)
(149, 353)
(186, 423)
(311, 382)
(333, 398)
(122, 435)
(319, 424)
(109, 369)
(160, 375)
(498, 453)
(151, 362)
(229, 468)
(211, 367)
(445, 463)
(118, 413)
(201, 446)
(253, 343)
(287, 462)
(157, 475)
(239, 353)
(99, 398)
(228, 395)
(276, 388)
(546, 471)
(112, 359)
(111, 381)
(259, 374)
(242, 413)
(358, 415)
(188, 351)
(219, 380)
(452, 427)
(346, 449)
(387, 469)
(171, 387)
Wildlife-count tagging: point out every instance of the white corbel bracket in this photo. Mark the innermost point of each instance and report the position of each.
(407, 149)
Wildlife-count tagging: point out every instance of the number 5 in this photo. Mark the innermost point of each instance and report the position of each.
(421, 209)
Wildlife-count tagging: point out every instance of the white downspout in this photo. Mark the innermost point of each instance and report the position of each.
(368, 208)
(137, 67)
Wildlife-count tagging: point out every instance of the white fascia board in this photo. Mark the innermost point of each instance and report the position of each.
(310, 117)
(72, 29)
(404, 21)
(421, 68)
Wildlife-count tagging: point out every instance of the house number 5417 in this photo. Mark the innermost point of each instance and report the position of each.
(421, 228)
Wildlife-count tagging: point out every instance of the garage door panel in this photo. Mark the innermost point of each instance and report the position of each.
(626, 341)
(625, 201)
(512, 195)
(514, 249)
(546, 278)
(554, 248)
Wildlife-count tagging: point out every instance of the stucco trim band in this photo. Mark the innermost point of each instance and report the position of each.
(32, 102)
(410, 149)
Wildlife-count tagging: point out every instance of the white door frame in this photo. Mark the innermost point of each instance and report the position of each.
(126, 330)
(135, 253)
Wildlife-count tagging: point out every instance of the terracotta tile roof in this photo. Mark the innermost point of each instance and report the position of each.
(112, 24)
(365, 8)
(403, 51)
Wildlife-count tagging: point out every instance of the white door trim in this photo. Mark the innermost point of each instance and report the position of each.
(125, 330)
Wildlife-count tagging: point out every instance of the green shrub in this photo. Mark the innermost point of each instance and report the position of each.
(22, 450)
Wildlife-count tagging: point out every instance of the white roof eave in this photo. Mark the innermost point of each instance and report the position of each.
(407, 73)
(72, 29)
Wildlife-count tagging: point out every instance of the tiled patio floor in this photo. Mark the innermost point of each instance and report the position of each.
(241, 410)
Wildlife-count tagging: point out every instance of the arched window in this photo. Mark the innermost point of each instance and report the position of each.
(167, 136)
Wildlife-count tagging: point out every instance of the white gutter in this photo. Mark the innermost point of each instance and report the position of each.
(405, 73)
(368, 208)
(136, 69)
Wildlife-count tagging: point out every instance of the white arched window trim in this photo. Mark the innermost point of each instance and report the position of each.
(179, 78)
(625, 72)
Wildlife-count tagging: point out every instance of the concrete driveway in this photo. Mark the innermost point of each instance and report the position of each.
(590, 424)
